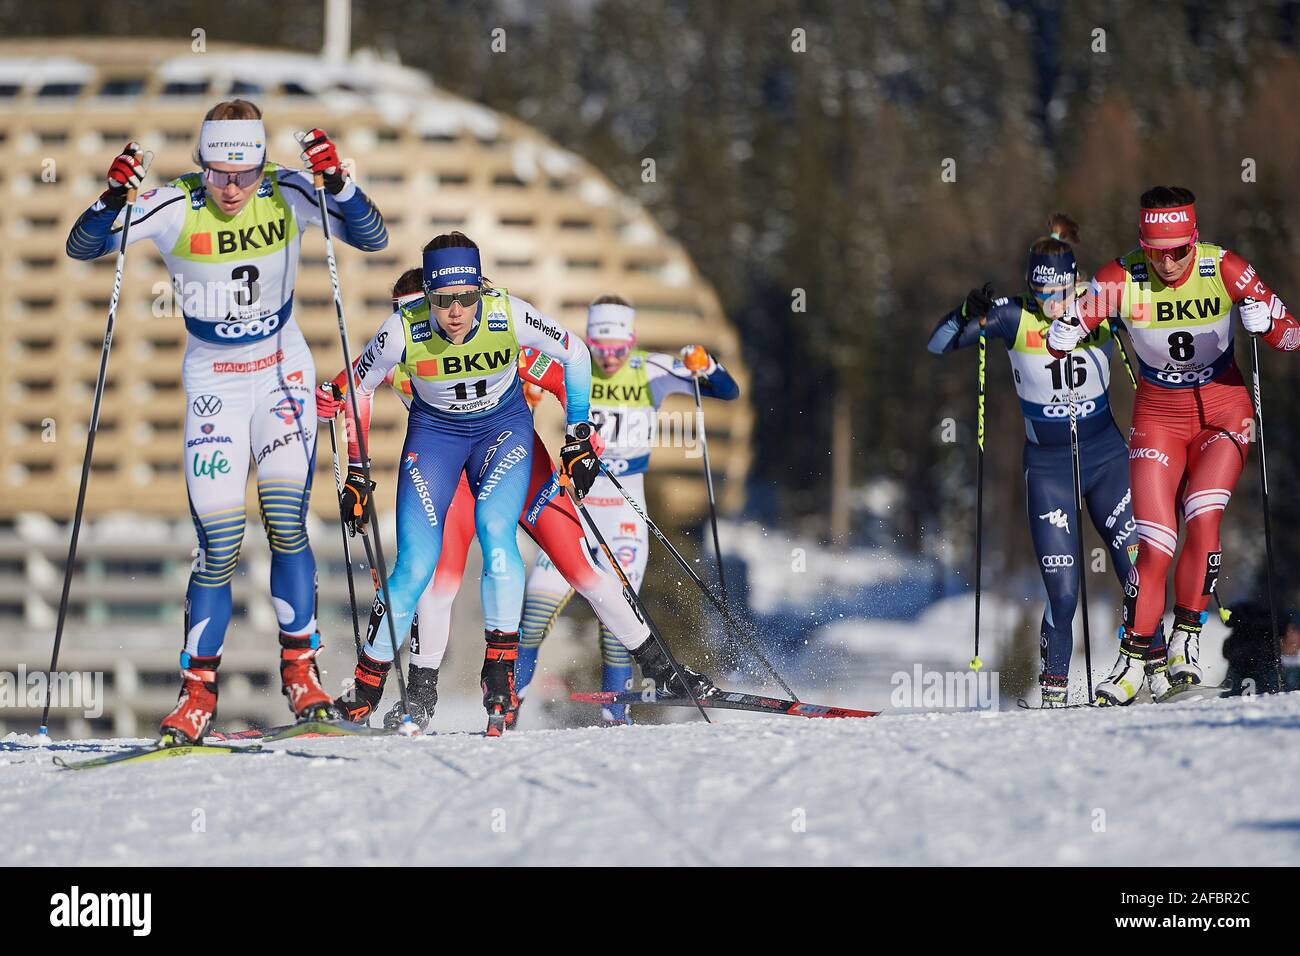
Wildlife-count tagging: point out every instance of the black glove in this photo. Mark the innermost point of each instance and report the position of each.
(978, 302)
(578, 460)
(354, 499)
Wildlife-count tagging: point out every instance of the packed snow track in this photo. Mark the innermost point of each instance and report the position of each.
(1198, 782)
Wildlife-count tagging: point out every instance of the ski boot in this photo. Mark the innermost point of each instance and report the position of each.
(359, 701)
(195, 707)
(300, 679)
(1157, 668)
(1054, 690)
(421, 695)
(1139, 658)
(617, 677)
(498, 679)
(1185, 648)
(512, 714)
(655, 665)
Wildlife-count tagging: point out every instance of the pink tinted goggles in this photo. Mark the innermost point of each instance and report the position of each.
(610, 351)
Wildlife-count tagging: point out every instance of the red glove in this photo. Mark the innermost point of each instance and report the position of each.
(320, 153)
(329, 401)
(126, 173)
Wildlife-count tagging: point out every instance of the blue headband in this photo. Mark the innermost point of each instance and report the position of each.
(455, 266)
(1052, 270)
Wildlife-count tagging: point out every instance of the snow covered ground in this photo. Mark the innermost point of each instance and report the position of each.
(1197, 782)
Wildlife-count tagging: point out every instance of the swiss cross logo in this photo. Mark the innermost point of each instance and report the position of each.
(201, 244)
(1141, 311)
(426, 367)
(1034, 339)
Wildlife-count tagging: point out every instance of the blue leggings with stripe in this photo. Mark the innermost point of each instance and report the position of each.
(1049, 485)
(493, 450)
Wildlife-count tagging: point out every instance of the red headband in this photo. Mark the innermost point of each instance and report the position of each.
(1174, 222)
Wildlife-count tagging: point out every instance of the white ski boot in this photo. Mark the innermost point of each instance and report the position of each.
(1125, 680)
(1141, 659)
(1185, 647)
(1158, 679)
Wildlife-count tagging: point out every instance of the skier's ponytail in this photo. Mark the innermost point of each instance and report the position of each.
(1064, 233)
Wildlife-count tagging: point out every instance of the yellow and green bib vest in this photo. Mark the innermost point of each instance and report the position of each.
(459, 379)
(236, 273)
(1182, 336)
(1041, 381)
(623, 408)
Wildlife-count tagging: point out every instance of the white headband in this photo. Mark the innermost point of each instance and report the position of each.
(610, 321)
(240, 141)
(407, 299)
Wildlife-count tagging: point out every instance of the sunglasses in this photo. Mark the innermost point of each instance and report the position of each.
(1177, 253)
(1043, 295)
(220, 178)
(443, 300)
(610, 351)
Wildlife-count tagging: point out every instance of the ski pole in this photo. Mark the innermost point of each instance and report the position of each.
(90, 450)
(629, 593)
(1268, 524)
(1123, 354)
(708, 480)
(318, 181)
(347, 548)
(975, 662)
(370, 557)
(1068, 360)
(721, 608)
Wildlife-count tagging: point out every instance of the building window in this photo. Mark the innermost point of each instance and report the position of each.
(62, 90)
(122, 86)
(185, 88)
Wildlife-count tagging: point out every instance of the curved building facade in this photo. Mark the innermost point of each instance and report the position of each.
(553, 230)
